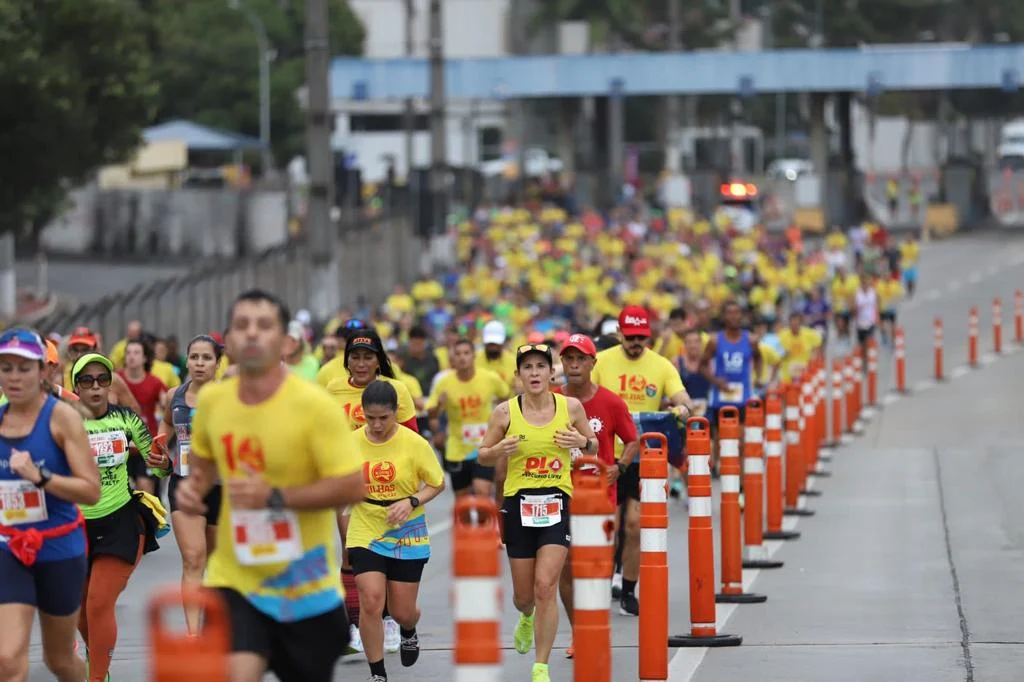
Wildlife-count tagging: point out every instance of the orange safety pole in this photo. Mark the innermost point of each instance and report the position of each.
(730, 469)
(653, 626)
(821, 407)
(900, 354)
(755, 554)
(809, 432)
(1018, 316)
(476, 590)
(703, 631)
(837, 402)
(593, 559)
(872, 372)
(858, 386)
(938, 349)
(972, 337)
(997, 325)
(773, 469)
(178, 657)
(848, 387)
(795, 469)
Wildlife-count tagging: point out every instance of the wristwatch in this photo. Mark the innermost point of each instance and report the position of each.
(44, 477)
(275, 500)
(414, 501)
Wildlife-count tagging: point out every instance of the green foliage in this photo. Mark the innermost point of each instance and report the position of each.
(77, 88)
(207, 63)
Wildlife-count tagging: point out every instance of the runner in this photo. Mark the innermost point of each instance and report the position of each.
(121, 527)
(609, 419)
(47, 467)
(151, 395)
(196, 534)
(910, 253)
(387, 537)
(531, 436)
(644, 380)
(83, 341)
(867, 315)
(467, 395)
(287, 456)
(888, 290)
(799, 344)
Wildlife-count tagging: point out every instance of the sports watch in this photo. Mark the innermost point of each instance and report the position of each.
(275, 500)
(414, 501)
(44, 477)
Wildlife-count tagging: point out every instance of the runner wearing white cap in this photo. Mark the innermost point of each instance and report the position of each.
(494, 356)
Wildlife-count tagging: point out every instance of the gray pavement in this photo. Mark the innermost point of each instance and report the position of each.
(867, 593)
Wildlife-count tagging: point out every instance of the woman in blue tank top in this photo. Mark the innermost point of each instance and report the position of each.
(46, 468)
(196, 535)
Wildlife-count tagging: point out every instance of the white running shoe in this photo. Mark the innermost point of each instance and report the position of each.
(355, 641)
(392, 636)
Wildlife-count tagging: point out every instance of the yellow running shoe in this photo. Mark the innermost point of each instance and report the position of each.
(540, 672)
(523, 637)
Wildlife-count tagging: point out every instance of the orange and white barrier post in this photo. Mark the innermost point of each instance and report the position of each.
(731, 548)
(858, 390)
(900, 355)
(796, 471)
(837, 402)
(848, 388)
(177, 657)
(972, 337)
(476, 590)
(821, 410)
(872, 372)
(755, 554)
(593, 559)
(703, 631)
(938, 349)
(809, 431)
(773, 469)
(997, 325)
(653, 626)
(1018, 316)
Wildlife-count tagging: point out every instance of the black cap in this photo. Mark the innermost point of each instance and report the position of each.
(363, 341)
(542, 348)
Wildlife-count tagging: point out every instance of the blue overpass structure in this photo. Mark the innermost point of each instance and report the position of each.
(872, 69)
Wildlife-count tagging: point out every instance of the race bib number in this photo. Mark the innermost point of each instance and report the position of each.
(265, 536)
(472, 434)
(109, 449)
(733, 393)
(21, 502)
(540, 511)
(184, 451)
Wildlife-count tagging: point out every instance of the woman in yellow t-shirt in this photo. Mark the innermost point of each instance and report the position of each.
(531, 438)
(387, 537)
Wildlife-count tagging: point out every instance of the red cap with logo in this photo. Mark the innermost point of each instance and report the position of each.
(83, 336)
(634, 320)
(580, 342)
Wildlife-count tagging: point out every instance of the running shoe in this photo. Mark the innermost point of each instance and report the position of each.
(392, 637)
(540, 672)
(410, 649)
(376, 678)
(629, 605)
(523, 636)
(616, 586)
(355, 641)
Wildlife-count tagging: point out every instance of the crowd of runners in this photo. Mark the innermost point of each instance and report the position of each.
(271, 438)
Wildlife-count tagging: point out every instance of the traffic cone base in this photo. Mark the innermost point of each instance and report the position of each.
(819, 474)
(782, 534)
(762, 563)
(811, 493)
(741, 598)
(683, 641)
(797, 512)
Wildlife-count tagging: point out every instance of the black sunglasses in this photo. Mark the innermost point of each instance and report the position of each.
(88, 380)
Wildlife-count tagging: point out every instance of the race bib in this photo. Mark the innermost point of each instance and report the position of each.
(266, 536)
(540, 511)
(472, 434)
(21, 502)
(181, 463)
(733, 393)
(110, 449)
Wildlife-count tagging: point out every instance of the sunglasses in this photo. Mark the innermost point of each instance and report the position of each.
(88, 380)
(638, 339)
(532, 347)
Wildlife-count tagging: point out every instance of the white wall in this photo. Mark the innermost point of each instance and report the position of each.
(472, 28)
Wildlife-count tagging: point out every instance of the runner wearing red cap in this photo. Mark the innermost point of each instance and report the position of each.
(644, 380)
(609, 418)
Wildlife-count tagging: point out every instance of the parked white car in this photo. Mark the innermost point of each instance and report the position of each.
(536, 161)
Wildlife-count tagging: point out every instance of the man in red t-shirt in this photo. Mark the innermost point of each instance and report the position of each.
(609, 417)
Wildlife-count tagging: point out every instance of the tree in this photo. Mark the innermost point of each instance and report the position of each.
(208, 68)
(77, 88)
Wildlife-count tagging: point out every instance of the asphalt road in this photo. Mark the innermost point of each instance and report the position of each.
(910, 570)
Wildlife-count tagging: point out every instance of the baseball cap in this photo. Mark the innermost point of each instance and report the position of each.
(83, 336)
(542, 348)
(582, 343)
(88, 359)
(609, 327)
(296, 330)
(493, 332)
(361, 341)
(634, 320)
(52, 354)
(22, 343)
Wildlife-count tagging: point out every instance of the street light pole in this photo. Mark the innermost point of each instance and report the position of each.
(264, 62)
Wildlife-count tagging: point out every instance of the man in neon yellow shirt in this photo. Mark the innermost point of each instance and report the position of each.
(799, 344)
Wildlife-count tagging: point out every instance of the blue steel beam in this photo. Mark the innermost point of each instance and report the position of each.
(924, 67)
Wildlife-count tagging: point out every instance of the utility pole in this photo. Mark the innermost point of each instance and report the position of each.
(410, 105)
(673, 108)
(324, 279)
(736, 157)
(438, 142)
(265, 55)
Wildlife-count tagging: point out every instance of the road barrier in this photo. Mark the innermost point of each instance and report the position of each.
(809, 428)
(796, 470)
(755, 553)
(997, 325)
(177, 657)
(938, 349)
(1018, 316)
(848, 384)
(773, 474)
(972, 337)
(900, 358)
(476, 590)
(593, 562)
(838, 395)
(653, 626)
(872, 372)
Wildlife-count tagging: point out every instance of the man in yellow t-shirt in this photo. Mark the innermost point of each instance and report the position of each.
(494, 356)
(285, 453)
(644, 380)
(799, 344)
